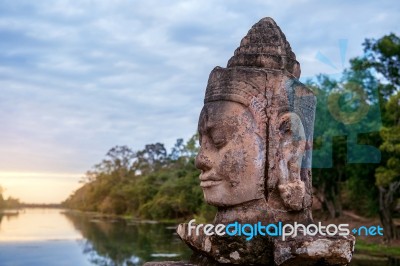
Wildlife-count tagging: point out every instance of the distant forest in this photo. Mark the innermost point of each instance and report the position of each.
(150, 183)
(155, 184)
(8, 203)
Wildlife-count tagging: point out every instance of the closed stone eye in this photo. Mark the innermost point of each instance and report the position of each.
(285, 127)
(219, 143)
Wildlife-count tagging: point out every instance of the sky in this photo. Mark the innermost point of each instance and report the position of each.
(79, 77)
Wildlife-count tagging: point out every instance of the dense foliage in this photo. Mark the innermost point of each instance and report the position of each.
(357, 115)
(8, 203)
(149, 183)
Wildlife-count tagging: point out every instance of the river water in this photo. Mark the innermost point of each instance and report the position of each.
(58, 237)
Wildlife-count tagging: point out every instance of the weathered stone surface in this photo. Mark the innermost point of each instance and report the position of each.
(256, 130)
(316, 250)
(228, 249)
(265, 46)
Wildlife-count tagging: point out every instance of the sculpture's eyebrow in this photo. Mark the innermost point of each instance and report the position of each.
(207, 127)
(201, 127)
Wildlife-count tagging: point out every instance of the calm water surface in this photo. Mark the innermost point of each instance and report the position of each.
(58, 237)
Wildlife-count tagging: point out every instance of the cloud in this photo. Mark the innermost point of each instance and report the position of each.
(77, 78)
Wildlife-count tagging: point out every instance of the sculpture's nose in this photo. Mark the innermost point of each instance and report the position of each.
(202, 161)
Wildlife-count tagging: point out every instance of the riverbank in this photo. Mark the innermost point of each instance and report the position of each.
(127, 217)
(365, 245)
(378, 250)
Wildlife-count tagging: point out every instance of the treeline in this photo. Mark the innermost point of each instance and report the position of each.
(356, 157)
(9, 203)
(40, 205)
(150, 183)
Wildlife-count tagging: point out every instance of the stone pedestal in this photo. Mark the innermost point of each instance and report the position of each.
(265, 250)
(316, 250)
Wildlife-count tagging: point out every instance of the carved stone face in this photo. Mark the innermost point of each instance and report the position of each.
(231, 156)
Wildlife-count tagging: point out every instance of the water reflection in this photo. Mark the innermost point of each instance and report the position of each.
(112, 242)
(58, 237)
(9, 215)
(117, 242)
(26, 225)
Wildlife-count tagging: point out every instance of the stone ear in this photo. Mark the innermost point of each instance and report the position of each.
(292, 143)
(292, 146)
(291, 129)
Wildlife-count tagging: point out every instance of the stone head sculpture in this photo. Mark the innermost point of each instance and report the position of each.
(256, 131)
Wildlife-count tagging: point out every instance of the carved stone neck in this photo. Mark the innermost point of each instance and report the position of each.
(248, 212)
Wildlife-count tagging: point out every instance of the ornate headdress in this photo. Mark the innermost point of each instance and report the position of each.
(264, 48)
(264, 66)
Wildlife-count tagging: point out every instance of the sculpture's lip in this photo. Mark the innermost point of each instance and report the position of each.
(209, 181)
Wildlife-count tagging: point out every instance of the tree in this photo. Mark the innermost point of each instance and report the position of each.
(345, 138)
(383, 56)
(2, 204)
(363, 161)
(152, 158)
(388, 175)
(329, 149)
(119, 161)
(178, 150)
